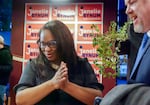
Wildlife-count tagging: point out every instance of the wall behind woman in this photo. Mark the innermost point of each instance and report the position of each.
(110, 13)
(5, 20)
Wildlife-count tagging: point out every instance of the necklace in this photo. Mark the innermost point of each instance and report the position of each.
(55, 66)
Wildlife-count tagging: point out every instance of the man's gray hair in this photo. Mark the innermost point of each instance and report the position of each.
(1, 39)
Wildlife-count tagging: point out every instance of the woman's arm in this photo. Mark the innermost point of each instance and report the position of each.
(87, 92)
(30, 96)
(84, 94)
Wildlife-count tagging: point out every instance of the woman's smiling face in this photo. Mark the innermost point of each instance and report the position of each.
(48, 45)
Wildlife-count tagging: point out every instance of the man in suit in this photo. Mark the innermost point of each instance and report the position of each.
(135, 93)
(138, 11)
(130, 47)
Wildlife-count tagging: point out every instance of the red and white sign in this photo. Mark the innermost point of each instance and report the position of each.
(78, 18)
(71, 28)
(32, 31)
(85, 32)
(31, 50)
(37, 12)
(64, 12)
(98, 75)
(90, 12)
(87, 51)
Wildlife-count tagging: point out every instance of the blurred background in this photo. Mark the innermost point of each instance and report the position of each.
(6, 31)
(5, 20)
(6, 27)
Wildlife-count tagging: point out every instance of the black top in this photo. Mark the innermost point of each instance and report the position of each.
(82, 74)
(5, 65)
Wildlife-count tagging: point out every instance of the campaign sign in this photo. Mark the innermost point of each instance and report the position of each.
(87, 51)
(31, 50)
(86, 33)
(32, 31)
(37, 12)
(64, 12)
(90, 12)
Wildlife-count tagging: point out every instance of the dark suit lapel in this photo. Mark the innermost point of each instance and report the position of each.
(140, 58)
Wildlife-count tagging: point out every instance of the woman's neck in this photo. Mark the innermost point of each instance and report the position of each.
(55, 65)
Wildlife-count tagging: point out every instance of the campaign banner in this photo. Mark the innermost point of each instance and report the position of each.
(90, 12)
(86, 33)
(31, 50)
(71, 28)
(87, 51)
(64, 12)
(37, 12)
(32, 31)
(98, 75)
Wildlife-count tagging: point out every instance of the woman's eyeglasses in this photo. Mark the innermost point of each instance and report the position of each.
(50, 44)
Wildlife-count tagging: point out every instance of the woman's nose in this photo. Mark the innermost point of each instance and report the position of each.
(47, 48)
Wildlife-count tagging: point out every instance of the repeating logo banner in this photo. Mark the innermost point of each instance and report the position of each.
(31, 50)
(37, 12)
(32, 31)
(90, 12)
(71, 28)
(78, 18)
(85, 33)
(64, 12)
(98, 75)
(87, 51)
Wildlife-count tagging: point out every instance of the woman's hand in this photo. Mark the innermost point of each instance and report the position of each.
(61, 76)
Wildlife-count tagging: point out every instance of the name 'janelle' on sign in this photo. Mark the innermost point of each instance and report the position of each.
(88, 53)
(91, 12)
(38, 12)
(66, 13)
(87, 33)
(32, 32)
(31, 52)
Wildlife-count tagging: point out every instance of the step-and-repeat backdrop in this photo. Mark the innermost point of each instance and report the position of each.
(77, 16)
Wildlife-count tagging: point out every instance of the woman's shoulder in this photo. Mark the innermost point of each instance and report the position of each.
(36, 59)
(32, 63)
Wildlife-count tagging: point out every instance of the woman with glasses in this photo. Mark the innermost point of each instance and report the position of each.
(57, 76)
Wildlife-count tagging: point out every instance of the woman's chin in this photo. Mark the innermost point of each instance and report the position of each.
(50, 59)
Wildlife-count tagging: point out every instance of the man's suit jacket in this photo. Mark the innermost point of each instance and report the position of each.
(131, 94)
(142, 71)
(130, 47)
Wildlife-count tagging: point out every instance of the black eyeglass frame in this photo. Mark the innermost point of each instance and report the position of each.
(50, 44)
